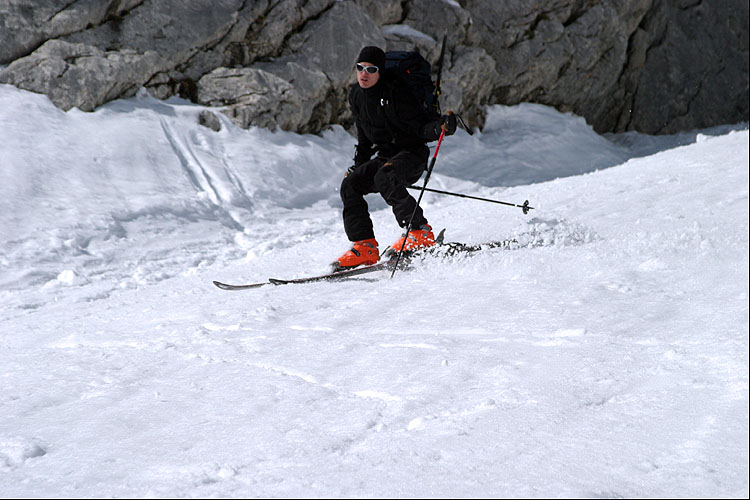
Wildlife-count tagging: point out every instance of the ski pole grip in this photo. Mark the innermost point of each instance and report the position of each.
(444, 125)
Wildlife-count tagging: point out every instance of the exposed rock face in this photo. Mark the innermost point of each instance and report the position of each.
(77, 74)
(657, 66)
(25, 25)
(690, 69)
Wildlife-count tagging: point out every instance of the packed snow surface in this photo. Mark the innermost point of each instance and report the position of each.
(603, 354)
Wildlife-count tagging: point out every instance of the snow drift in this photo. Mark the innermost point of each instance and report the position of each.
(606, 355)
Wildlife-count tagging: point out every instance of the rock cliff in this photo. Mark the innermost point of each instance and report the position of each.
(657, 66)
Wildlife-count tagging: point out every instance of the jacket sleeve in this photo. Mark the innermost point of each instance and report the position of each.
(414, 120)
(431, 131)
(364, 148)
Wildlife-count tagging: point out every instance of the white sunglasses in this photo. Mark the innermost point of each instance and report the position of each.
(370, 69)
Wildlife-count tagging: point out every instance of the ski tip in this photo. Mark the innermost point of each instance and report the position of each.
(226, 286)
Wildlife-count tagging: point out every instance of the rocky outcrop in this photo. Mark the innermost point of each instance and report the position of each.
(688, 68)
(657, 66)
(81, 75)
(25, 26)
(565, 54)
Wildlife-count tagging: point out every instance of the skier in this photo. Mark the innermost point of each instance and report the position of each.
(391, 122)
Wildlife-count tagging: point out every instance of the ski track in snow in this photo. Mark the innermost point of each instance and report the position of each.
(604, 353)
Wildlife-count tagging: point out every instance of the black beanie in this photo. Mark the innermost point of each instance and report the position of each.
(372, 55)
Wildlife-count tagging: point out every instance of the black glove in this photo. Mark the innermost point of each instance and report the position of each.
(450, 124)
(350, 170)
(362, 154)
(433, 129)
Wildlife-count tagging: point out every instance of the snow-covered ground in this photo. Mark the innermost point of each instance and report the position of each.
(606, 355)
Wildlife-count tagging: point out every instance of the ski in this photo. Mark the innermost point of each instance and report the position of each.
(227, 286)
(441, 249)
(336, 275)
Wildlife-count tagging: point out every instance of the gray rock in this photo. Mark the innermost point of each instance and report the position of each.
(383, 11)
(313, 88)
(439, 19)
(209, 120)
(79, 75)
(405, 37)
(251, 96)
(468, 84)
(268, 35)
(695, 73)
(266, 95)
(560, 53)
(25, 26)
(318, 63)
(657, 66)
(332, 42)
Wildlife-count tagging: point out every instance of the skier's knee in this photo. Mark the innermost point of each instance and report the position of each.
(384, 179)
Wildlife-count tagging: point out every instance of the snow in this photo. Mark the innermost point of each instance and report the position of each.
(605, 355)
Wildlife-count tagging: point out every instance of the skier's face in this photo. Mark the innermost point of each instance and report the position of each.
(364, 77)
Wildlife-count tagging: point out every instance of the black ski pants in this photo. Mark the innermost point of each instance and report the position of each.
(389, 177)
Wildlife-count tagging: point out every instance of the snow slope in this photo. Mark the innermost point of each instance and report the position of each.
(605, 355)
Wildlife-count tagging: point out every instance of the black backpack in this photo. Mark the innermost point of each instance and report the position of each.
(415, 71)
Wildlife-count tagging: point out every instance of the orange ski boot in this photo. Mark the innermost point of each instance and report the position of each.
(419, 238)
(362, 253)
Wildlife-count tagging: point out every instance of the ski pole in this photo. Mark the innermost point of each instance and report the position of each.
(437, 92)
(525, 207)
(411, 219)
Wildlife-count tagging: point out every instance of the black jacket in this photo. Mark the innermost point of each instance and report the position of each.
(389, 119)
